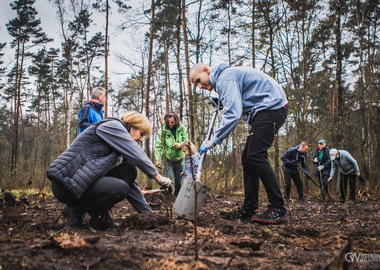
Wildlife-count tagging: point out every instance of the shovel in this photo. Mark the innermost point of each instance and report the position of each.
(184, 205)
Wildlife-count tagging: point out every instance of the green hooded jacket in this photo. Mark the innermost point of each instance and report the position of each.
(172, 153)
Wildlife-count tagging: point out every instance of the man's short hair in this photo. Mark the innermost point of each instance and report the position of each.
(197, 68)
(95, 92)
(304, 144)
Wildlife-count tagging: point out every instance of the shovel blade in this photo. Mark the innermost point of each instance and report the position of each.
(184, 205)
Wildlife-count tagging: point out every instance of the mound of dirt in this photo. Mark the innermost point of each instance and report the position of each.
(144, 221)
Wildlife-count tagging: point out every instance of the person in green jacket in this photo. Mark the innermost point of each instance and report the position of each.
(168, 149)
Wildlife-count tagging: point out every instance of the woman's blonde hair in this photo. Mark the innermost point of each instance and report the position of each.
(138, 121)
(190, 146)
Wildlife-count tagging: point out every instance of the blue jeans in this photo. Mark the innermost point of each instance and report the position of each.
(173, 167)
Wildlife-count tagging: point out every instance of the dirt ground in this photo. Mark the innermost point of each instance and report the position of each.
(34, 235)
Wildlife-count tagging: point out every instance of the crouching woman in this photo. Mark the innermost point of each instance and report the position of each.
(99, 170)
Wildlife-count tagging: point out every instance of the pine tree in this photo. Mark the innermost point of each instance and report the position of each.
(25, 29)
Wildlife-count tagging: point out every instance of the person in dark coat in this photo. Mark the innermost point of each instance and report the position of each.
(92, 112)
(323, 164)
(291, 159)
(99, 169)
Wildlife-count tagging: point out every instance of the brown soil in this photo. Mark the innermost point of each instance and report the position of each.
(34, 235)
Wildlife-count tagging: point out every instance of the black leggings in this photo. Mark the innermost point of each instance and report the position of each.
(103, 193)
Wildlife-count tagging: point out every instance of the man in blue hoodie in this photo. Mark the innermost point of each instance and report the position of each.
(257, 98)
(92, 111)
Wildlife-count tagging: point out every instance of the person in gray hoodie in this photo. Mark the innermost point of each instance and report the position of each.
(257, 98)
(349, 169)
(99, 170)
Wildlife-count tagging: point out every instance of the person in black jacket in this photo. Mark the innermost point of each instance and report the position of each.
(99, 170)
(323, 164)
(291, 158)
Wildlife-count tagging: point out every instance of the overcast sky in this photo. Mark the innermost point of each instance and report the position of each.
(121, 42)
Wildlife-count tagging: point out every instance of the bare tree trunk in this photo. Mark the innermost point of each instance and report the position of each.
(229, 32)
(17, 115)
(88, 68)
(48, 135)
(190, 91)
(167, 87)
(338, 89)
(149, 77)
(253, 33)
(178, 59)
(361, 87)
(14, 135)
(106, 46)
(276, 148)
(37, 137)
(305, 86)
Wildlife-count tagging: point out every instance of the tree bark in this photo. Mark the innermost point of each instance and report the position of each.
(106, 46)
(190, 91)
(253, 33)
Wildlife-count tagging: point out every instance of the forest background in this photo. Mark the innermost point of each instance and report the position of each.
(325, 54)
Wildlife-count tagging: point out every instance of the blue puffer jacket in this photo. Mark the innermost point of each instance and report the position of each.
(326, 161)
(90, 113)
(346, 163)
(289, 156)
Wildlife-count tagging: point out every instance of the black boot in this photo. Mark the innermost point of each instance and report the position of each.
(74, 215)
(100, 220)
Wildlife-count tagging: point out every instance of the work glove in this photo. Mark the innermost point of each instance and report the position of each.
(158, 164)
(329, 179)
(320, 168)
(358, 174)
(166, 183)
(206, 145)
(217, 102)
(177, 145)
(316, 160)
(293, 162)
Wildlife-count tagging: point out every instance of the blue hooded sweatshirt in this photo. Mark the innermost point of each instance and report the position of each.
(243, 92)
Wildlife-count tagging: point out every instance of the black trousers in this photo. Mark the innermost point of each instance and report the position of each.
(344, 179)
(255, 159)
(104, 192)
(297, 181)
